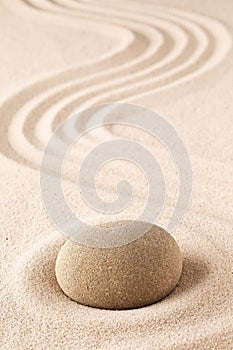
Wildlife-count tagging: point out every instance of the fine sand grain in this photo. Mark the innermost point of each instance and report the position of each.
(58, 57)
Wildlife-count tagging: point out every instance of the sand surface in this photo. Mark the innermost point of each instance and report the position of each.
(57, 57)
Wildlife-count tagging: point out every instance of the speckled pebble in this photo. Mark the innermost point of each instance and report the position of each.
(131, 276)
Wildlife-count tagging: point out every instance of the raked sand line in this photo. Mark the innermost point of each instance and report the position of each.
(61, 101)
(33, 287)
(80, 6)
(40, 112)
(40, 108)
(62, 78)
(51, 101)
(128, 7)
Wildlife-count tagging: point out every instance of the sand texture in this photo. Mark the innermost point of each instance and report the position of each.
(61, 56)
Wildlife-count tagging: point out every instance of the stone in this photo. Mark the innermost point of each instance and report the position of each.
(134, 275)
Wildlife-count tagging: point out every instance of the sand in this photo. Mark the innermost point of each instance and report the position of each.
(57, 57)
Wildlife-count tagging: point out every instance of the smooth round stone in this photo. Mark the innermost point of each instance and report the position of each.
(130, 276)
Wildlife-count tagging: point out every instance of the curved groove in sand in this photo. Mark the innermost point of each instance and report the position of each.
(186, 45)
(70, 95)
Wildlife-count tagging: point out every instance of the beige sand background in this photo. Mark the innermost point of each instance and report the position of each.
(59, 56)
